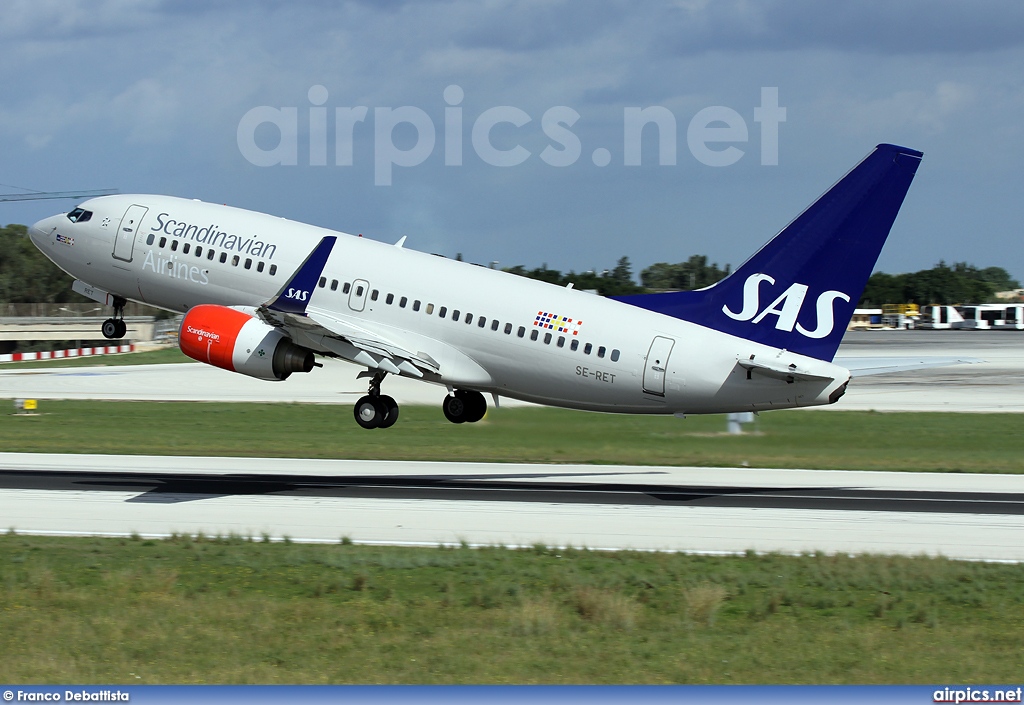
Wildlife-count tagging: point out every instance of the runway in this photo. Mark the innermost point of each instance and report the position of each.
(707, 510)
(703, 510)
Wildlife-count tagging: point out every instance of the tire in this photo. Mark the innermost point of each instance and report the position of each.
(109, 329)
(369, 412)
(122, 328)
(392, 411)
(476, 405)
(454, 408)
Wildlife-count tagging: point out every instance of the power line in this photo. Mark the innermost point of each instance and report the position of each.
(52, 195)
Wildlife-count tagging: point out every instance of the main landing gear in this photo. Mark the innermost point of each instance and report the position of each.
(376, 410)
(464, 406)
(115, 328)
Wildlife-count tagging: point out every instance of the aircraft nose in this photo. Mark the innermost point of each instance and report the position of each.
(39, 231)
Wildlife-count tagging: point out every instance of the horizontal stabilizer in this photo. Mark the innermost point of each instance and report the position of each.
(867, 366)
(787, 373)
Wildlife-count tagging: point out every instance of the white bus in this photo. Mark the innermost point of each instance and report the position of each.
(1013, 318)
(938, 317)
(992, 317)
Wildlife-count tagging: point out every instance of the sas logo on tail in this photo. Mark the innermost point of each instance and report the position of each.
(786, 307)
(297, 294)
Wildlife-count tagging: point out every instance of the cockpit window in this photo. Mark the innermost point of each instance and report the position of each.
(79, 215)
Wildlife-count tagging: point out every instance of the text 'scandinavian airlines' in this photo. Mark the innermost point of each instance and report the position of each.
(263, 296)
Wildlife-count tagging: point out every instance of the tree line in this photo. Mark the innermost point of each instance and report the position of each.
(942, 284)
(27, 276)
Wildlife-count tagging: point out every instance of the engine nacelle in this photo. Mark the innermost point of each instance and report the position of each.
(236, 341)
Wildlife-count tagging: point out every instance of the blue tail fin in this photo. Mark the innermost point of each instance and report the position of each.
(799, 291)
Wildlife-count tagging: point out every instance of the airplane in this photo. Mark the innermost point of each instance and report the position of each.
(265, 297)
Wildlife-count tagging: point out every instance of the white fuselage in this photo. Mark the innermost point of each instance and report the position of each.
(611, 356)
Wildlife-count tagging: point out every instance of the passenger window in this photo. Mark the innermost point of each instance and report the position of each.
(224, 258)
(455, 315)
(533, 334)
(273, 269)
(574, 345)
(416, 305)
(259, 266)
(430, 309)
(359, 291)
(483, 321)
(234, 261)
(373, 294)
(150, 239)
(561, 341)
(521, 332)
(199, 252)
(174, 245)
(334, 285)
(323, 282)
(443, 311)
(600, 351)
(495, 324)
(210, 253)
(469, 319)
(248, 262)
(163, 242)
(508, 329)
(615, 355)
(587, 348)
(347, 288)
(403, 301)
(186, 248)
(547, 339)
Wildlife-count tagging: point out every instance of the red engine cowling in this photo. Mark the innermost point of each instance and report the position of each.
(236, 341)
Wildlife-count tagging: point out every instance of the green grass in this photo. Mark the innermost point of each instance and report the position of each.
(151, 357)
(193, 610)
(802, 439)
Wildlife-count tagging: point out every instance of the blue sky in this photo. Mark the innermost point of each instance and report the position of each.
(149, 97)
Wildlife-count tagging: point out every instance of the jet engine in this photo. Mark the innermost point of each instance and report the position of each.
(234, 340)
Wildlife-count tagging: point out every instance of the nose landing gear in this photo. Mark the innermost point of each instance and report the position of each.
(115, 328)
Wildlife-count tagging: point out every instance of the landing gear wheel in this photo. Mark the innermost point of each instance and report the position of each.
(111, 329)
(122, 328)
(454, 409)
(464, 406)
(392, 411)
(476, 405)
(370, 412)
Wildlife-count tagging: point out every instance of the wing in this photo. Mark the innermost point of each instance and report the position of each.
(329, 331)
(333, 332)
(866, 366)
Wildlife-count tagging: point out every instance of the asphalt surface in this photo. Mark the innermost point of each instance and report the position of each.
(704, 510)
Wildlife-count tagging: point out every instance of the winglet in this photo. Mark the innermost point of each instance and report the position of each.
(295, 294)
